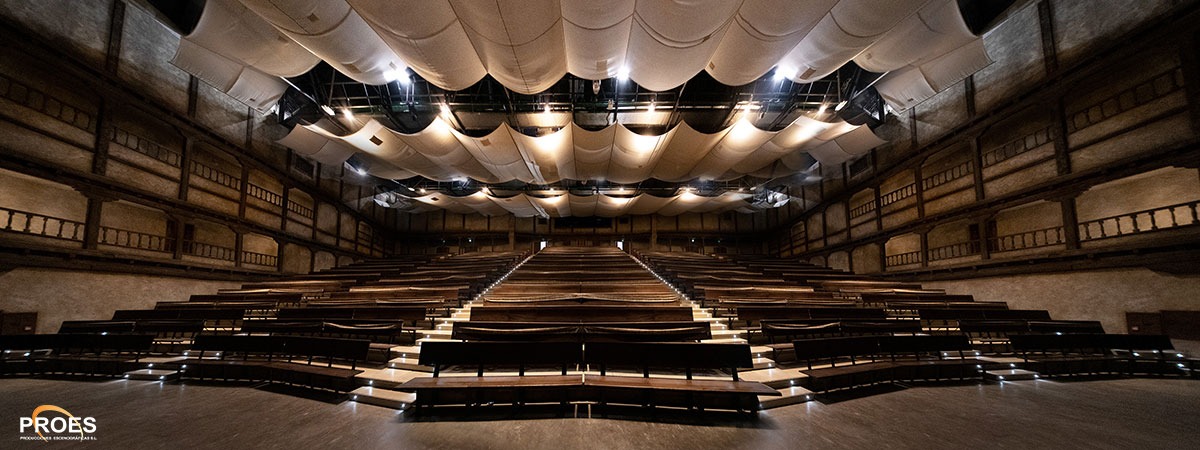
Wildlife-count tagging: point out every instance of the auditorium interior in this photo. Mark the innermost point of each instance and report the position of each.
(600, 224)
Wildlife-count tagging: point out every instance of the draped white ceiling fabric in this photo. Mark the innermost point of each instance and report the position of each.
(238, 53)
(528, 45)
(615, 153)
(949, 53)
(602, 205)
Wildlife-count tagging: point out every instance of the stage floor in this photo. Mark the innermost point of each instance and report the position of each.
(1119, 413)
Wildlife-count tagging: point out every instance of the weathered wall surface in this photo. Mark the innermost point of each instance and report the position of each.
(58, 295)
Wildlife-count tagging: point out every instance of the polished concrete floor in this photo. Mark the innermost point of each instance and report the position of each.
(1118, 414)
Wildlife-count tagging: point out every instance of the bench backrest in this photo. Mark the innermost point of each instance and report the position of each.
(480, 354)
(581, 313)
(672, 355)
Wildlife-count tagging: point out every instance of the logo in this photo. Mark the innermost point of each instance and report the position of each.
(55, 427)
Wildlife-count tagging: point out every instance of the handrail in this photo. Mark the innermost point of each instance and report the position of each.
(145, 146)
(53, 227)
(1029, 239)
(902, 259)
(958, 250)
(1099, 228)
(135, 239)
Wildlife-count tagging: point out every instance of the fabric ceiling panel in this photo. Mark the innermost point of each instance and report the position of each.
(592, 152)
(257, 90)
(218, 71)
(519, 41)
(633, 156)
(498, 153)
(226, 27)
(942, 72)
(609, 206)
(742, 140)
(445, 202)
(859, 141)
(596, 35)
(669, 42)
(683, 203)
(684, 147)
(428, 36)
(760, 35)
(648, 204)
(317, 146)
(904, 88)
(376, 140)
(334, 31)
(553, 154)
(913, 84)
(790, 139)
(557, 206)
(935, 30)
(519, 205)
(615, 153)
(483, 204)
(849, 28)
(438, 143)
(829, 154)
(582, 206)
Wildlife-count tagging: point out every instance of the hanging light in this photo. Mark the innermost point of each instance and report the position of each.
(840, 105)
(623, 73)
(445, 109)
(822, 108)
(347, 114)
(652, 107)
(327, 110)
(546, 108)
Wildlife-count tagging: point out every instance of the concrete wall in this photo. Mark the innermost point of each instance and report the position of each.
(1104, 295)
(58, 295)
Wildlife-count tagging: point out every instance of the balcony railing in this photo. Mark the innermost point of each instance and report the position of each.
(135, 239)
(953, 251)
(146, 147)
(1018, 146)
(898, 194)
(263, 194)
(260, 259)
(948, 175)
(1166, 217)
(903, 259)
(300, 210)
(215, 175)
(209, 251)
(1044, 237)
(862, 209)
(26, 222)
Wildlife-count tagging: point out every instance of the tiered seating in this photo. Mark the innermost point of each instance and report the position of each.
(591, 311)
(586, 325)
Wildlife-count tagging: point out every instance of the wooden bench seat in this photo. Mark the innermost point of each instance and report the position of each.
(869, 360)
(284, 359)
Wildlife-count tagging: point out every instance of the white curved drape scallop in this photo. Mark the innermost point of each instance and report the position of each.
(336, 33)
(949, 53)
(614, 154)
(238, 53)
(564, 205)
(528, 45)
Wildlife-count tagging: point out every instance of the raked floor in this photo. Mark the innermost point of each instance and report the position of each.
(1117, 414)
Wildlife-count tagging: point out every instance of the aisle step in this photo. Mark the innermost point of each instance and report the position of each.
(1010, 375)
(152, 374)
(791, 395)
(386, 398)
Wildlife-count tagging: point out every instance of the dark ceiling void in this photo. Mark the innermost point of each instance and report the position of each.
(182, 14)
(980, 15)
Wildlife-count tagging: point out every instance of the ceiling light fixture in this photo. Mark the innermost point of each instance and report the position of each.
(546, 109)
(623, 74)
(347, 114)
(327, 110)
(821, 110)
(840, 105)
(445, 109)
(652, 107)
